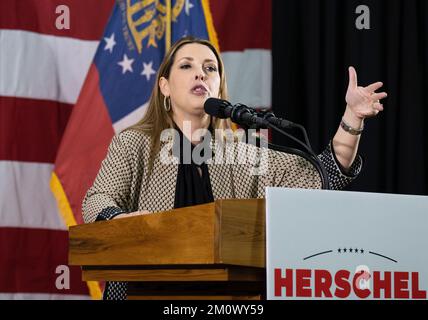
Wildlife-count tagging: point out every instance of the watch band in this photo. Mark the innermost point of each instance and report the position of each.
(351, 130)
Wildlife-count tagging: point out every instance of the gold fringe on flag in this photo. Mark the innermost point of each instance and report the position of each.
(68, 217)
(168, 26)
(212, 34)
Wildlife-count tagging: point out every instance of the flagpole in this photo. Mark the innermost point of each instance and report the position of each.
(168, 26)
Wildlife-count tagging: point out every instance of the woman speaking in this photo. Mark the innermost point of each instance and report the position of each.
(148, 169)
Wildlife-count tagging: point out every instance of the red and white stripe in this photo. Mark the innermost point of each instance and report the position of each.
(39, 66)
(42, 70)
(41, 296)
(244, 29)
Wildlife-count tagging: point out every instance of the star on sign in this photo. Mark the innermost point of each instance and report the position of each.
(110, 43)
(148, 70)
(187, 6)
(126, 64)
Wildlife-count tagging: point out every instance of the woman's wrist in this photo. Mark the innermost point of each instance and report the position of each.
(352, 119)
(109, 213)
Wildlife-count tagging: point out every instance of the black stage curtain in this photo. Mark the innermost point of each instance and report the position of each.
(313, 44)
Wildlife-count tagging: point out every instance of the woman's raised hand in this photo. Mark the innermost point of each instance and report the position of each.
(363, 102)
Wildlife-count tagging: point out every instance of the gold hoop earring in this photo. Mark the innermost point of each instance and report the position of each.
(167, 107)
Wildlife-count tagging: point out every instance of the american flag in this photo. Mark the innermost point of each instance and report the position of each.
(65, 92)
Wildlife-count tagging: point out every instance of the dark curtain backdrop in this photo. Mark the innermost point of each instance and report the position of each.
(315, 41)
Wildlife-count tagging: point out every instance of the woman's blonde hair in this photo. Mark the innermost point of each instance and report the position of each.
(156, 118)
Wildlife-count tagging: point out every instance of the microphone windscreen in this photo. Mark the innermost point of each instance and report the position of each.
(216, 107)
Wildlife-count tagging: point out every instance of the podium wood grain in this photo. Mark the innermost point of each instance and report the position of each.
(224, 232)
(210, 251)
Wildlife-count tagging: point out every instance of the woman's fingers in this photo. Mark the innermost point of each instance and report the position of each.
(374, 86)
(121, 216)
(378, 96)
(375, 109)
(352, 78)
(378, 106)
(365, 100)
(139, 213)
(132, 214)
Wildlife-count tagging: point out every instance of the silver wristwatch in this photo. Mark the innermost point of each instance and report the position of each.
(351, 130)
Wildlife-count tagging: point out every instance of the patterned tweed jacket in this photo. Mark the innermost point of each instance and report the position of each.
(124, 184)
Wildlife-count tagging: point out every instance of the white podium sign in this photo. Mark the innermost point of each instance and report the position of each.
(346, 245)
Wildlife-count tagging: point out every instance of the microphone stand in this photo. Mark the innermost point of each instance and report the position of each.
(247, 117)
(309, 155)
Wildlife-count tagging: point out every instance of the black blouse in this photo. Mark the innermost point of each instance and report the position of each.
(193, 180)
(193, 184)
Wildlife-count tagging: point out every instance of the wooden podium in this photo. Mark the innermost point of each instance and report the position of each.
(210, 251)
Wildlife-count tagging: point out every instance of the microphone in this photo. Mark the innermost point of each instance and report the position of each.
(245, 116)
(218, 108)
(274, 120)
(239, 113)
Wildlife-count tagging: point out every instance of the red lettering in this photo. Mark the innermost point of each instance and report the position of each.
(379, 284)
(303, 283)
(416, 293)
(322, 283)
(281, 282)
(382, 287)
(401, 285)
(360, 293)
(343, 287)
